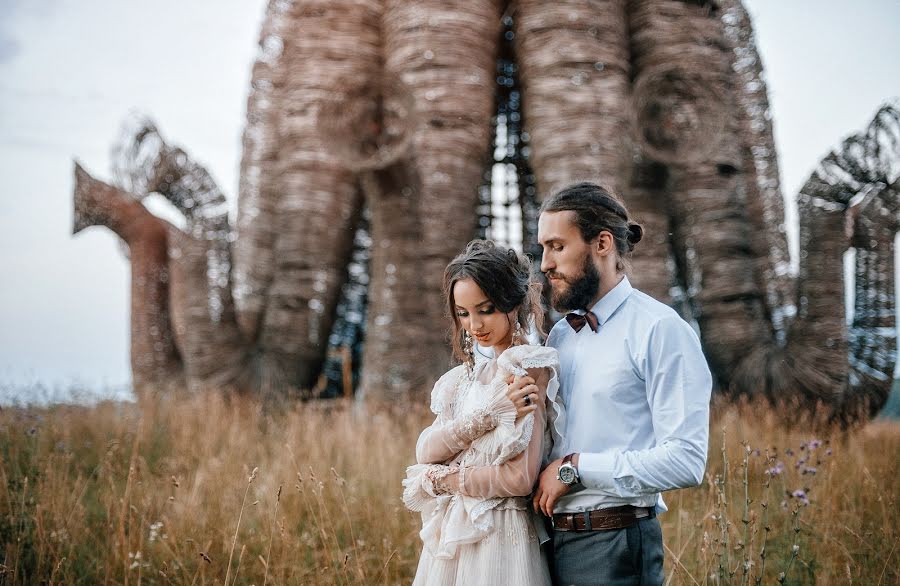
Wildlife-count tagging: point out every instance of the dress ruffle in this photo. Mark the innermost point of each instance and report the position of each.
(518, 359)
(446, 522)
(446, 388)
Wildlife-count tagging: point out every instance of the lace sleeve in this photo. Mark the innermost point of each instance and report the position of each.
(438, 479)
(450, 435)
(441, 441)
(514, 477)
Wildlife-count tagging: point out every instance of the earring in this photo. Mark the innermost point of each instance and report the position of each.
(517, 334)
(469, 351)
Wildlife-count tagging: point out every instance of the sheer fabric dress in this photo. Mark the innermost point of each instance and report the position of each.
(476, 468)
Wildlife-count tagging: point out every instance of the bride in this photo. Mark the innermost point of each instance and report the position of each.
(478, 461)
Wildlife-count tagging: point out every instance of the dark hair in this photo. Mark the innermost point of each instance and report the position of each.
(597, 209)
(505, 276)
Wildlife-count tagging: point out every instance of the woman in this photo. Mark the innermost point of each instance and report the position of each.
(478, 461)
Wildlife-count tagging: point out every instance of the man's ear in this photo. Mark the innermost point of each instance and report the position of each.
(603, 244)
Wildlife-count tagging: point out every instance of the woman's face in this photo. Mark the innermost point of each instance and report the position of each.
(478, 316)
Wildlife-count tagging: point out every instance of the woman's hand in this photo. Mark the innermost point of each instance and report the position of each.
(523, 392)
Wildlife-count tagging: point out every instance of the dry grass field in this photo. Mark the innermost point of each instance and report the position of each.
(204, 490)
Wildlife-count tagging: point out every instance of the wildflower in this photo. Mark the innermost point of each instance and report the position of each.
(814, 444)
(796, 549)
(136, 559)
(776, 470)
(810, 470)
(154, 530)
(801, 496)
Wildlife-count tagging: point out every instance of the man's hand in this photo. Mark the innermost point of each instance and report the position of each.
(549, 488)
(523, 393)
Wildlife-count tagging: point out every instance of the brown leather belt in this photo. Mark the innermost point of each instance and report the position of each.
(602, 519)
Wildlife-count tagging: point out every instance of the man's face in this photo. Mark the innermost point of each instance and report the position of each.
(567, 262)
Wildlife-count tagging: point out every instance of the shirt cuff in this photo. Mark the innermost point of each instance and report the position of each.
(597, 470)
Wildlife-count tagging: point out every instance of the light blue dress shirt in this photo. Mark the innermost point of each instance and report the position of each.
(636, 397)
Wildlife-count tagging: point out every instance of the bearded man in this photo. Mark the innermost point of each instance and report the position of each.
(634, 394)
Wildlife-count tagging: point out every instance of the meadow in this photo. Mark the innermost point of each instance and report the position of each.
(209, 490)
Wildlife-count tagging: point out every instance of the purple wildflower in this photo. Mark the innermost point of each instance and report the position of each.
(801, 496)
(775, 470)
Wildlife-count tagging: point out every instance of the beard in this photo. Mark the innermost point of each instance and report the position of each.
(581, 290)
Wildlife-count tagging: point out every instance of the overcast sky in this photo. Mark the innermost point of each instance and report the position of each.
(70, 72)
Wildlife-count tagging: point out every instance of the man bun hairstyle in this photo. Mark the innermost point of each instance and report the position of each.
(635, 233)
(504, 275)
(597, 209)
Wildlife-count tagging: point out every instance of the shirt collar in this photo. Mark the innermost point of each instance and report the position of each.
(609, 303)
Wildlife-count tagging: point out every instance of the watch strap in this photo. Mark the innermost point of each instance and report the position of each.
(568, 461)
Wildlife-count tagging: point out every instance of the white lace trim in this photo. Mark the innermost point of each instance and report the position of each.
(479, 517)
(557, 413)
(415, 496)
(463, 431)
(434, 480)
(509, 450)
(518, 359)
(525, 357)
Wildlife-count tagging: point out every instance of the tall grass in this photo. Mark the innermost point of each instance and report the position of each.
(206, 490)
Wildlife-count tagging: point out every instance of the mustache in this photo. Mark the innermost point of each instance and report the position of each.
(555, 275)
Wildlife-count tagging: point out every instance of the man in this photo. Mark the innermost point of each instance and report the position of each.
(636, 390)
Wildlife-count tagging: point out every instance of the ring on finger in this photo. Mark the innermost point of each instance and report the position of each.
(527, 400)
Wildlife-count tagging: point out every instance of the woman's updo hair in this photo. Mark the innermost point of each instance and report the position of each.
(505, 276)
(597, 209)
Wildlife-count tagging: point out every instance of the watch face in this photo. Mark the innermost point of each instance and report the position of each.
(567, 474)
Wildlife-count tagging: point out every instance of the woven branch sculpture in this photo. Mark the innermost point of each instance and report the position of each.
(388, 104)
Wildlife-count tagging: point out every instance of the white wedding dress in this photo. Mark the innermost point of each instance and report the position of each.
(476, 468)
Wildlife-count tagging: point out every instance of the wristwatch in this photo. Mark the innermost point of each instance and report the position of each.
(567, 473)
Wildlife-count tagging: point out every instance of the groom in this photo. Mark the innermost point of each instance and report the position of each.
(636, 391)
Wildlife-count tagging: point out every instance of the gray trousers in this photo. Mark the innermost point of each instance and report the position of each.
(618, 557)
